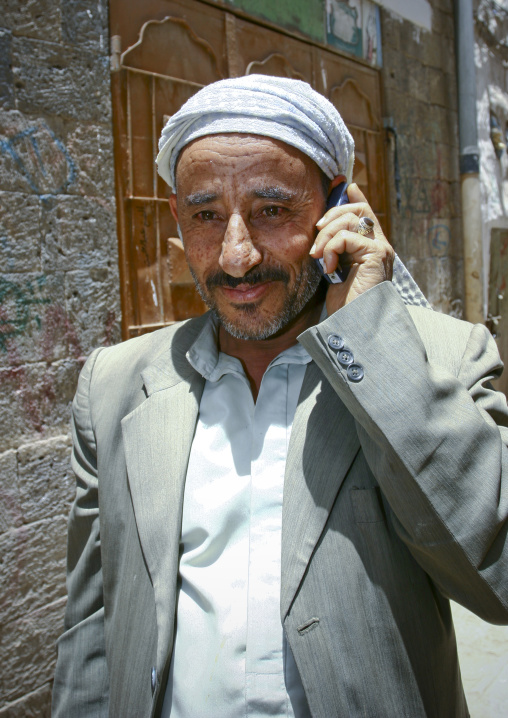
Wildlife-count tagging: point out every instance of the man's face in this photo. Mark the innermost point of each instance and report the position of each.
(247, 208)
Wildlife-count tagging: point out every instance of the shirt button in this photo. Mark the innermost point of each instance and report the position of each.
(345, 357)
(335, 342)
(355, 372)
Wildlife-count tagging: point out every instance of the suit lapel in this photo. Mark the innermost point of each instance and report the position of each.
(157, 439)
(323, 444)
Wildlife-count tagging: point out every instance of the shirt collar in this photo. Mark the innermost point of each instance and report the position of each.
(204, 355)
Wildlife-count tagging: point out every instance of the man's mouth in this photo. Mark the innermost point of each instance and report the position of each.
(245, 292)
(249, 288)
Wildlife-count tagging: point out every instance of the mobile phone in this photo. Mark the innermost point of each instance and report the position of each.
(338, 196)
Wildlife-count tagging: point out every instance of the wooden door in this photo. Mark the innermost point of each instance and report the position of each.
(164, 52)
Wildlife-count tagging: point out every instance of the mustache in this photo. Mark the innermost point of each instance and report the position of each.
(256, 275)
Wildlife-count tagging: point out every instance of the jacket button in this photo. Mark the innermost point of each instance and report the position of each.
(154, 679)
(335, 342)
(355, 372)
(345, 357)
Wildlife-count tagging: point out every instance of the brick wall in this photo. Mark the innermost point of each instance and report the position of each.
(59, 297)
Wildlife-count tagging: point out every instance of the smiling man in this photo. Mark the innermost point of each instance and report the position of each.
(249, 207)
(275, 501)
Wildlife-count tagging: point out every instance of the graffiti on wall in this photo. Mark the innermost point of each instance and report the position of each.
(438, 237)
(19, 303)
(424, 197)
(35, 393)
(41, 158)
(36, 326)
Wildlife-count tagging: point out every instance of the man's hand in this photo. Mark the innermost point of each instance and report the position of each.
(338, 242)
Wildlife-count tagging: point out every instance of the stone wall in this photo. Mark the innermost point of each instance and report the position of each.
(59, 297)
(421, 99)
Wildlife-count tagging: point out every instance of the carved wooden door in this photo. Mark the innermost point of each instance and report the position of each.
(163, 52)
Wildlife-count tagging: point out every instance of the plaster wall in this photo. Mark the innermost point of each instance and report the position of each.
(491, 60)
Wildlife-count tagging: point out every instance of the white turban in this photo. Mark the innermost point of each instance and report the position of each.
(286, 110)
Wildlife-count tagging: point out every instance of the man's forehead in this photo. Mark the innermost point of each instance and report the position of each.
(241, 143)
(243, 152)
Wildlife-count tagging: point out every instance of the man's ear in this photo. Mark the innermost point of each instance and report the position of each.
(335, 182)
(173, 207)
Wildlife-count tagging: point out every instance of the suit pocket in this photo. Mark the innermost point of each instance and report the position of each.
(367, 505)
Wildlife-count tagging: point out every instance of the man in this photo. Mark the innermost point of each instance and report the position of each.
(291, 487)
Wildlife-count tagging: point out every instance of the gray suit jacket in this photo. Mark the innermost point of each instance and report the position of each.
(395, 498)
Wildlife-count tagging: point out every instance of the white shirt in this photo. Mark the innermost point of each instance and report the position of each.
(230, 656)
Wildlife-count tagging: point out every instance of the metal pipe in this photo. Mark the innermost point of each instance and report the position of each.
(469, 162)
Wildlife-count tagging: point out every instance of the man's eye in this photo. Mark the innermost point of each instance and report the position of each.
(273, 211)
(206, 215)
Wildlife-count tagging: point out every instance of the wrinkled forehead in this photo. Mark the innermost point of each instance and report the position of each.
(233, 146)
(247, 154)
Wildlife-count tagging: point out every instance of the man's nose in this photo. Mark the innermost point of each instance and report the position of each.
(239, 253)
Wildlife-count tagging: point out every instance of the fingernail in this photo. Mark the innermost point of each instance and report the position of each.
(313, 248)
(320, 222)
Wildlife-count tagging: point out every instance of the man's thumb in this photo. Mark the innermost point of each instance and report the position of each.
(355, 194)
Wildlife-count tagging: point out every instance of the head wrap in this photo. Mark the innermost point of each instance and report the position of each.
(286, 110)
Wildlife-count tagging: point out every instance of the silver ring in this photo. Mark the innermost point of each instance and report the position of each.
(365, 226)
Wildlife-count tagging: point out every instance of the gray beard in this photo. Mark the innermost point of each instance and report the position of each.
(305, 287)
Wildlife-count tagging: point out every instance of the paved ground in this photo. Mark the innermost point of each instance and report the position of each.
(483, 653)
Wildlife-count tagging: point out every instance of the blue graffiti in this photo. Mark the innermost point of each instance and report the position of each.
(439, 239)
(32, 135)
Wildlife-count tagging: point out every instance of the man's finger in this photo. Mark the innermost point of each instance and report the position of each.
(355, 194)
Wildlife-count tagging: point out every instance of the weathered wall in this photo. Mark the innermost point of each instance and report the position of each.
(491, 59)
(421, 98)
(59, 298)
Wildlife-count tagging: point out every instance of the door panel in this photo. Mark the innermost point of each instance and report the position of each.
(271, 53)
(168, 49)
(191, 57)
(127, 17)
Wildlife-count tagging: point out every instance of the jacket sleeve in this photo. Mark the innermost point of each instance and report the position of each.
(81, 678)
(434, 434)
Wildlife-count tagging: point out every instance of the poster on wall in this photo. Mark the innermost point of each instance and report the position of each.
(354, 27)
